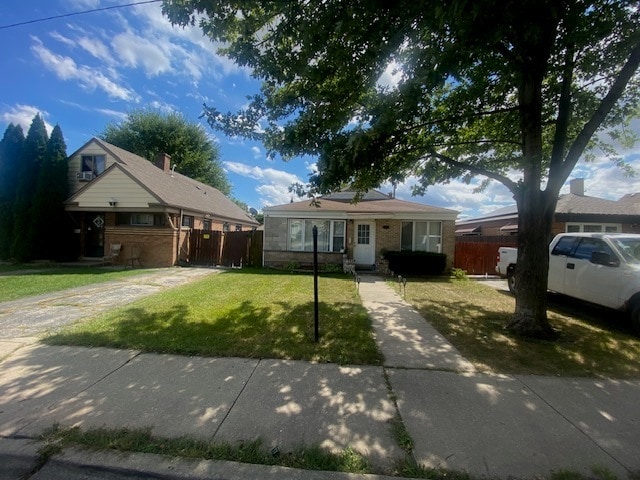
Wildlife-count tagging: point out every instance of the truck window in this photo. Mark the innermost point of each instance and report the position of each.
(564, 246)
(589, 245)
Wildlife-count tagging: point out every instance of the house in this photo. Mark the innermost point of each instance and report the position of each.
(119, 198)
(358, 232)
(575, 212)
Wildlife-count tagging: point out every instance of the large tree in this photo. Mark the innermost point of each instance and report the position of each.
(148, 132)
(514, 92)
(10, 154)
(51, 229)
(28, 172)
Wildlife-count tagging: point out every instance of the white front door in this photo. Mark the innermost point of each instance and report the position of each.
(364, 250)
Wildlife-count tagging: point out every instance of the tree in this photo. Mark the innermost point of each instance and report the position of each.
(511, 91)
(51, 228)
(28, 171)
(10, 154)
(149, 132)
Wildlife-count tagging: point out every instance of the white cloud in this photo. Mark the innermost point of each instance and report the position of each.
(23, 115)
(89, 78)
(391, 76)
(136, 51)
(96, 48)
(61, 38)
(257, 153)
(112, 113)
(274, 184)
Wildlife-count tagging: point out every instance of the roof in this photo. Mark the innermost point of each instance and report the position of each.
(570, 203)
(372, 203)
(171, 188)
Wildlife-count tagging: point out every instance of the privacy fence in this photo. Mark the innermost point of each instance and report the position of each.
(229, 249)
(477, 255)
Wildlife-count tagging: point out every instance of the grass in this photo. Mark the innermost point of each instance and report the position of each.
(142, 441)
(19, 281)
(243, 313)
(592, 341)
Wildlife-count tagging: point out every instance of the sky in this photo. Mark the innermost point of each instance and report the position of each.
(86, 71)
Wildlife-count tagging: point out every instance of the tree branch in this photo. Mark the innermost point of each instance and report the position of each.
(564, 112)
(607, 103)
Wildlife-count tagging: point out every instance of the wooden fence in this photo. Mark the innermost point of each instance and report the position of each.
(478, 255)
(229, 249)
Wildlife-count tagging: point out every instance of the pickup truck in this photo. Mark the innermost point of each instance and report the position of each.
(601, 268)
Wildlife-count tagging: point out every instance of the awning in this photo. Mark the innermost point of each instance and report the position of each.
(468, 231)
(509, 228)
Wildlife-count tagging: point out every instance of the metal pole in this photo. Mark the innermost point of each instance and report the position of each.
(315, 280)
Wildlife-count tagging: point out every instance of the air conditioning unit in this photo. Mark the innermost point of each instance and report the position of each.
(84, 176)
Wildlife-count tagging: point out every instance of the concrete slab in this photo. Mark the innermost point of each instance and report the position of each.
(492, 426)
(76, 464)
(173, 395)
(37, 378)
(402, 334)
(291, 404)
(605, 410)
(18, 458)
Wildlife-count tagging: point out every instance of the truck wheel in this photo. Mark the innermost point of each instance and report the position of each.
(635, 317)
(511, 280)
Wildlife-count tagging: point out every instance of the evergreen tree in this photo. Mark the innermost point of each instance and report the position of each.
(32, 158)
(10, 152)
(50, 226)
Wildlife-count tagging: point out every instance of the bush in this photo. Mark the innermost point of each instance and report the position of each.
(416, 263)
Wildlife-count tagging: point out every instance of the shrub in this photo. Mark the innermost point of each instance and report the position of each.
(416, 263)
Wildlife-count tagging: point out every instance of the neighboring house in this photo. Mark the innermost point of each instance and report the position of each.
(119, 198)
(359, 231)
(575, 212)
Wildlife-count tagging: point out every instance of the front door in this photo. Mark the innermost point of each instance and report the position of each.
(94, 235)
(364, 251)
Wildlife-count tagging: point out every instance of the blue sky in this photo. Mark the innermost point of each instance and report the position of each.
(84, 71)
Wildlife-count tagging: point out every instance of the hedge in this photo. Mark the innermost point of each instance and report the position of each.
(416, 263)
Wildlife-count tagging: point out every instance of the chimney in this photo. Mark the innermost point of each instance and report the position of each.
(163, 162)
(576, 186)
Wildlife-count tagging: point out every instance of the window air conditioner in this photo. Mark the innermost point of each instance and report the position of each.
(85, 176)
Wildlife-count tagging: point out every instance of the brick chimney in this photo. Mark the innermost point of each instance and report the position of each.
(163, 162)
(576, 186)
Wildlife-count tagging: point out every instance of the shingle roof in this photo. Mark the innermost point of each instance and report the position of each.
(582, 204)
(373, 203)
(176, 190)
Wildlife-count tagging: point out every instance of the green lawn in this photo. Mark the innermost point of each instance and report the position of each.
(246, 313)
(592, 341)
(25, 281)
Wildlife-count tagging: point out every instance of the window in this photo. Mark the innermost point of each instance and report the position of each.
(564, 246)
(587, 246)
(593, 227)
(187, 221)
(93, 163)
(141, 219)
(238, 227)
(330, 235)
(364, 234)
(225, 227)
(206, 224)
(421, 236)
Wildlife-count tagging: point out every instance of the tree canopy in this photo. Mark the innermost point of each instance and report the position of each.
(510, 91)
(148, 132)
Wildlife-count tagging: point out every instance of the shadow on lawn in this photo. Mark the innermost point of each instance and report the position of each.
(592, 340)
(248, 330)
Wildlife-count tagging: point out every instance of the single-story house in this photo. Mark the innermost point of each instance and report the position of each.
(121, 199)
(358, 232)
(575, 212)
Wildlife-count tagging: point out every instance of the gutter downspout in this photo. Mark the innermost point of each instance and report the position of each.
(178, 242)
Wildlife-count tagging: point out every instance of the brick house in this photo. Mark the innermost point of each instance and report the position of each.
(357, 232)
(119, 198)
(575, 212)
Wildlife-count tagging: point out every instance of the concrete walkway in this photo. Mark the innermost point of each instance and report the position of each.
(487, 425)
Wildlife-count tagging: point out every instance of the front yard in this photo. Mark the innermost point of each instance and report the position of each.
(592, 341)
(244, 313)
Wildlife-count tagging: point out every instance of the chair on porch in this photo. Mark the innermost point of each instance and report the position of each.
(134, 255)
(114, 253)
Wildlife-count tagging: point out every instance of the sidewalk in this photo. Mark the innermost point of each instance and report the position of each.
(487, 425)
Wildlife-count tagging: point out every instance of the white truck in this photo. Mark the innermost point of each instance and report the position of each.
(601, 268)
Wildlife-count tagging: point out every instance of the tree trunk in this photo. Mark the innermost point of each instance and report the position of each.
(534, 232)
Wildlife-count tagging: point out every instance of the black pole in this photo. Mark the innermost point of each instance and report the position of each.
(315, 280)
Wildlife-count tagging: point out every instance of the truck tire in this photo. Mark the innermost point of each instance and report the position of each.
(511, 280)
(635, 317)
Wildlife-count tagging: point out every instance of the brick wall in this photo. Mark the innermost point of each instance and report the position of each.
(283, 259)
(158, 245)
